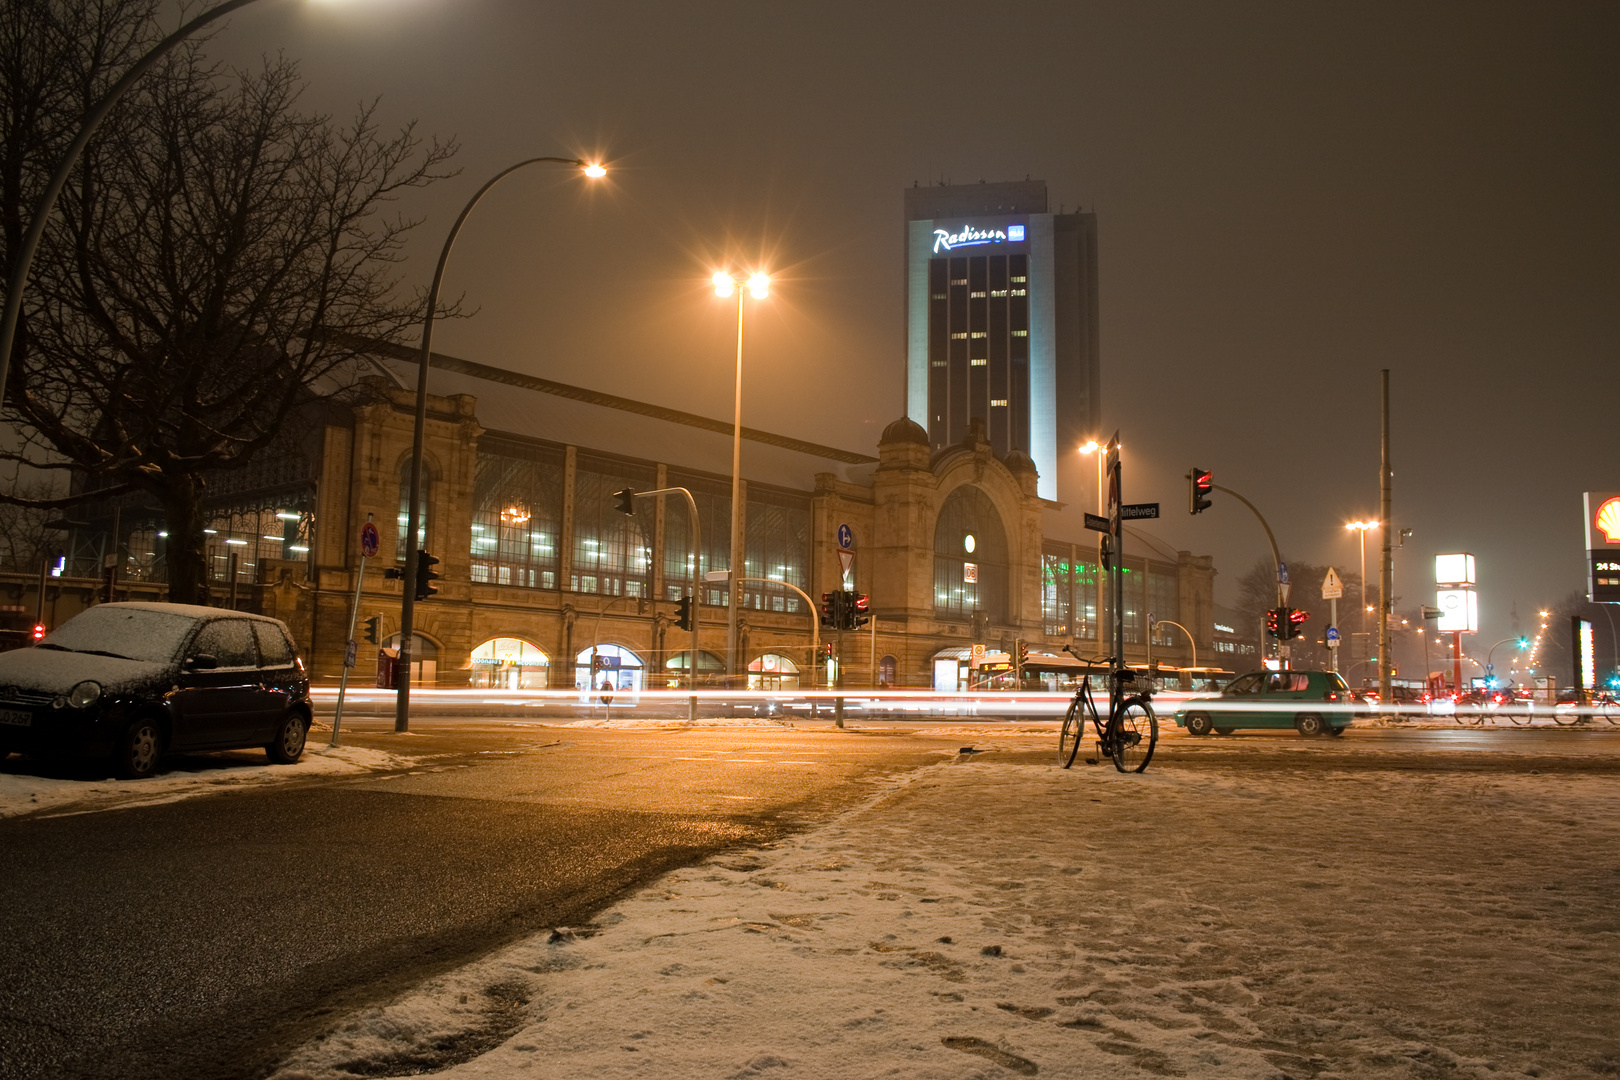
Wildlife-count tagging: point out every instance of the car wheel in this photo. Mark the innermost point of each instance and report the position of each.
(1198, 724)
(139, 749)
(1224, 730)
(288, 745)
(1308, 724)
(1337, 731)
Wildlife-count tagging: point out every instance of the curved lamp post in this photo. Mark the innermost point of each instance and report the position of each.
(759, 286)
(407, 613)
(17, 278)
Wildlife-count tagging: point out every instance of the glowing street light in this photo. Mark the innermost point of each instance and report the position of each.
(759, 287)
(1361, 528)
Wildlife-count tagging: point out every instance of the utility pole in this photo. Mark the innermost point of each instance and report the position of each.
(1386, 565)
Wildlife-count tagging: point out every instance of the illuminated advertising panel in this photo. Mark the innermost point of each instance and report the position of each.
(1585, 654)
(1602, 521)
(1459, 611)
(1454, 570)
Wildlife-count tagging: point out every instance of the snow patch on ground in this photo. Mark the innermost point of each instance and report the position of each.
(29, 793)
(979, 920)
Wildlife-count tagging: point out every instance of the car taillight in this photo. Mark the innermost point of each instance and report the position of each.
(1332, 695)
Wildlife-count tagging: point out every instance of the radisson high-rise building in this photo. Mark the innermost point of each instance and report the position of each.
(1001, 321)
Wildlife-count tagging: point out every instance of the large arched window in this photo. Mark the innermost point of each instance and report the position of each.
(506, 663)
(970, 558)
(405, 507)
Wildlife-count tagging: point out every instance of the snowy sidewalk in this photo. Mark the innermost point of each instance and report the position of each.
(985, 917)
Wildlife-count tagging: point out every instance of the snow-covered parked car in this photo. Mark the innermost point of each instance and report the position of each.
(134, 681)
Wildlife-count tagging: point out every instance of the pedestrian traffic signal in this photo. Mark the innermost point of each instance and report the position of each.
(1200, 482)
(1296, 622)
(623, 501)
(855, 610)
(371, 628)
(39, 631)
(425, 577)
(683, 613)
(1274, 620)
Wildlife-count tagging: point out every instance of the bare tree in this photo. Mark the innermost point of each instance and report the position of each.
(215, 263)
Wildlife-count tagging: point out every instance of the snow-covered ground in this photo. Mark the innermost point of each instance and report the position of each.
(25, 793)
(987, 917)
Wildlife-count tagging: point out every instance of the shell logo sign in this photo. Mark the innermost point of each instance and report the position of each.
(1607, 520)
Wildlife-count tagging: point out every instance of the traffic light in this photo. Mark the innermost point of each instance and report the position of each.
(1021, 649)
(39, 631)
(1524, 643)
(371, 628)
(683, 613)
(1296, 622)
(855, 610)
(425, 577)
(1200, 482)
(829, 610)
(623, 501)
(1274, 618)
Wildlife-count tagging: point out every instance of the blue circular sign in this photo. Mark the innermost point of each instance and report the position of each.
(369, 540)
(846, 538)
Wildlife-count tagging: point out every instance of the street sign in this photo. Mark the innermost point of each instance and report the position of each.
(369, 542)
(1333, 637)
(1282, 573)
(1096, 524)
(1332, 587)
(978, 652)
(846, 560)
(349, 654)
(846, 538)
(1136, 511)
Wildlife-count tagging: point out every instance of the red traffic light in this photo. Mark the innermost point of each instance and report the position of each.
(1200, 482)
(1274, 621)
(39, 631)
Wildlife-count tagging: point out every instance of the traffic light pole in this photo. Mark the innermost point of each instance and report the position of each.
(348, 649)
(1276, 558)
(697, 560)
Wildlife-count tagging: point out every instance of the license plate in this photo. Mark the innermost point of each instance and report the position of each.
(16, 717)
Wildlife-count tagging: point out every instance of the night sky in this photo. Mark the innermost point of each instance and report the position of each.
(1290, 197)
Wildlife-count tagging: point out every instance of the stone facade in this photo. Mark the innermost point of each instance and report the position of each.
(893, 508)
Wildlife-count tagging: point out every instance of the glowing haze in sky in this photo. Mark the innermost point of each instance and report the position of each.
(1290, 197)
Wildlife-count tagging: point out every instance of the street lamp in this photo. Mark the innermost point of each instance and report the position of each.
(1361, 528)
(759, 287)
(407, 613)
(17, 279)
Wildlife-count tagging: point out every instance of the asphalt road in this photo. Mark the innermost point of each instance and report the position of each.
(205, 937)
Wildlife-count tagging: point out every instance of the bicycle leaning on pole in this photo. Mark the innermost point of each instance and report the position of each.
(1131, 732)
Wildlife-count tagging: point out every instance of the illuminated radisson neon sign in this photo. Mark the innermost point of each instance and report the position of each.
(945, 240)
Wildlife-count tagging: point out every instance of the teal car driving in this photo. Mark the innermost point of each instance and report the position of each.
(1310, 702)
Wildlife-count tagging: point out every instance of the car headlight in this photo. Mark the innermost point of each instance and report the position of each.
(85, 694)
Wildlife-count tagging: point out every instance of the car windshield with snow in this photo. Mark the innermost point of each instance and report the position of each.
(134, 681)
(1310, 702)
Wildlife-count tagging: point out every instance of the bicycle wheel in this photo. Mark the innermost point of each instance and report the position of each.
(1133, 733)
(1074, 730)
